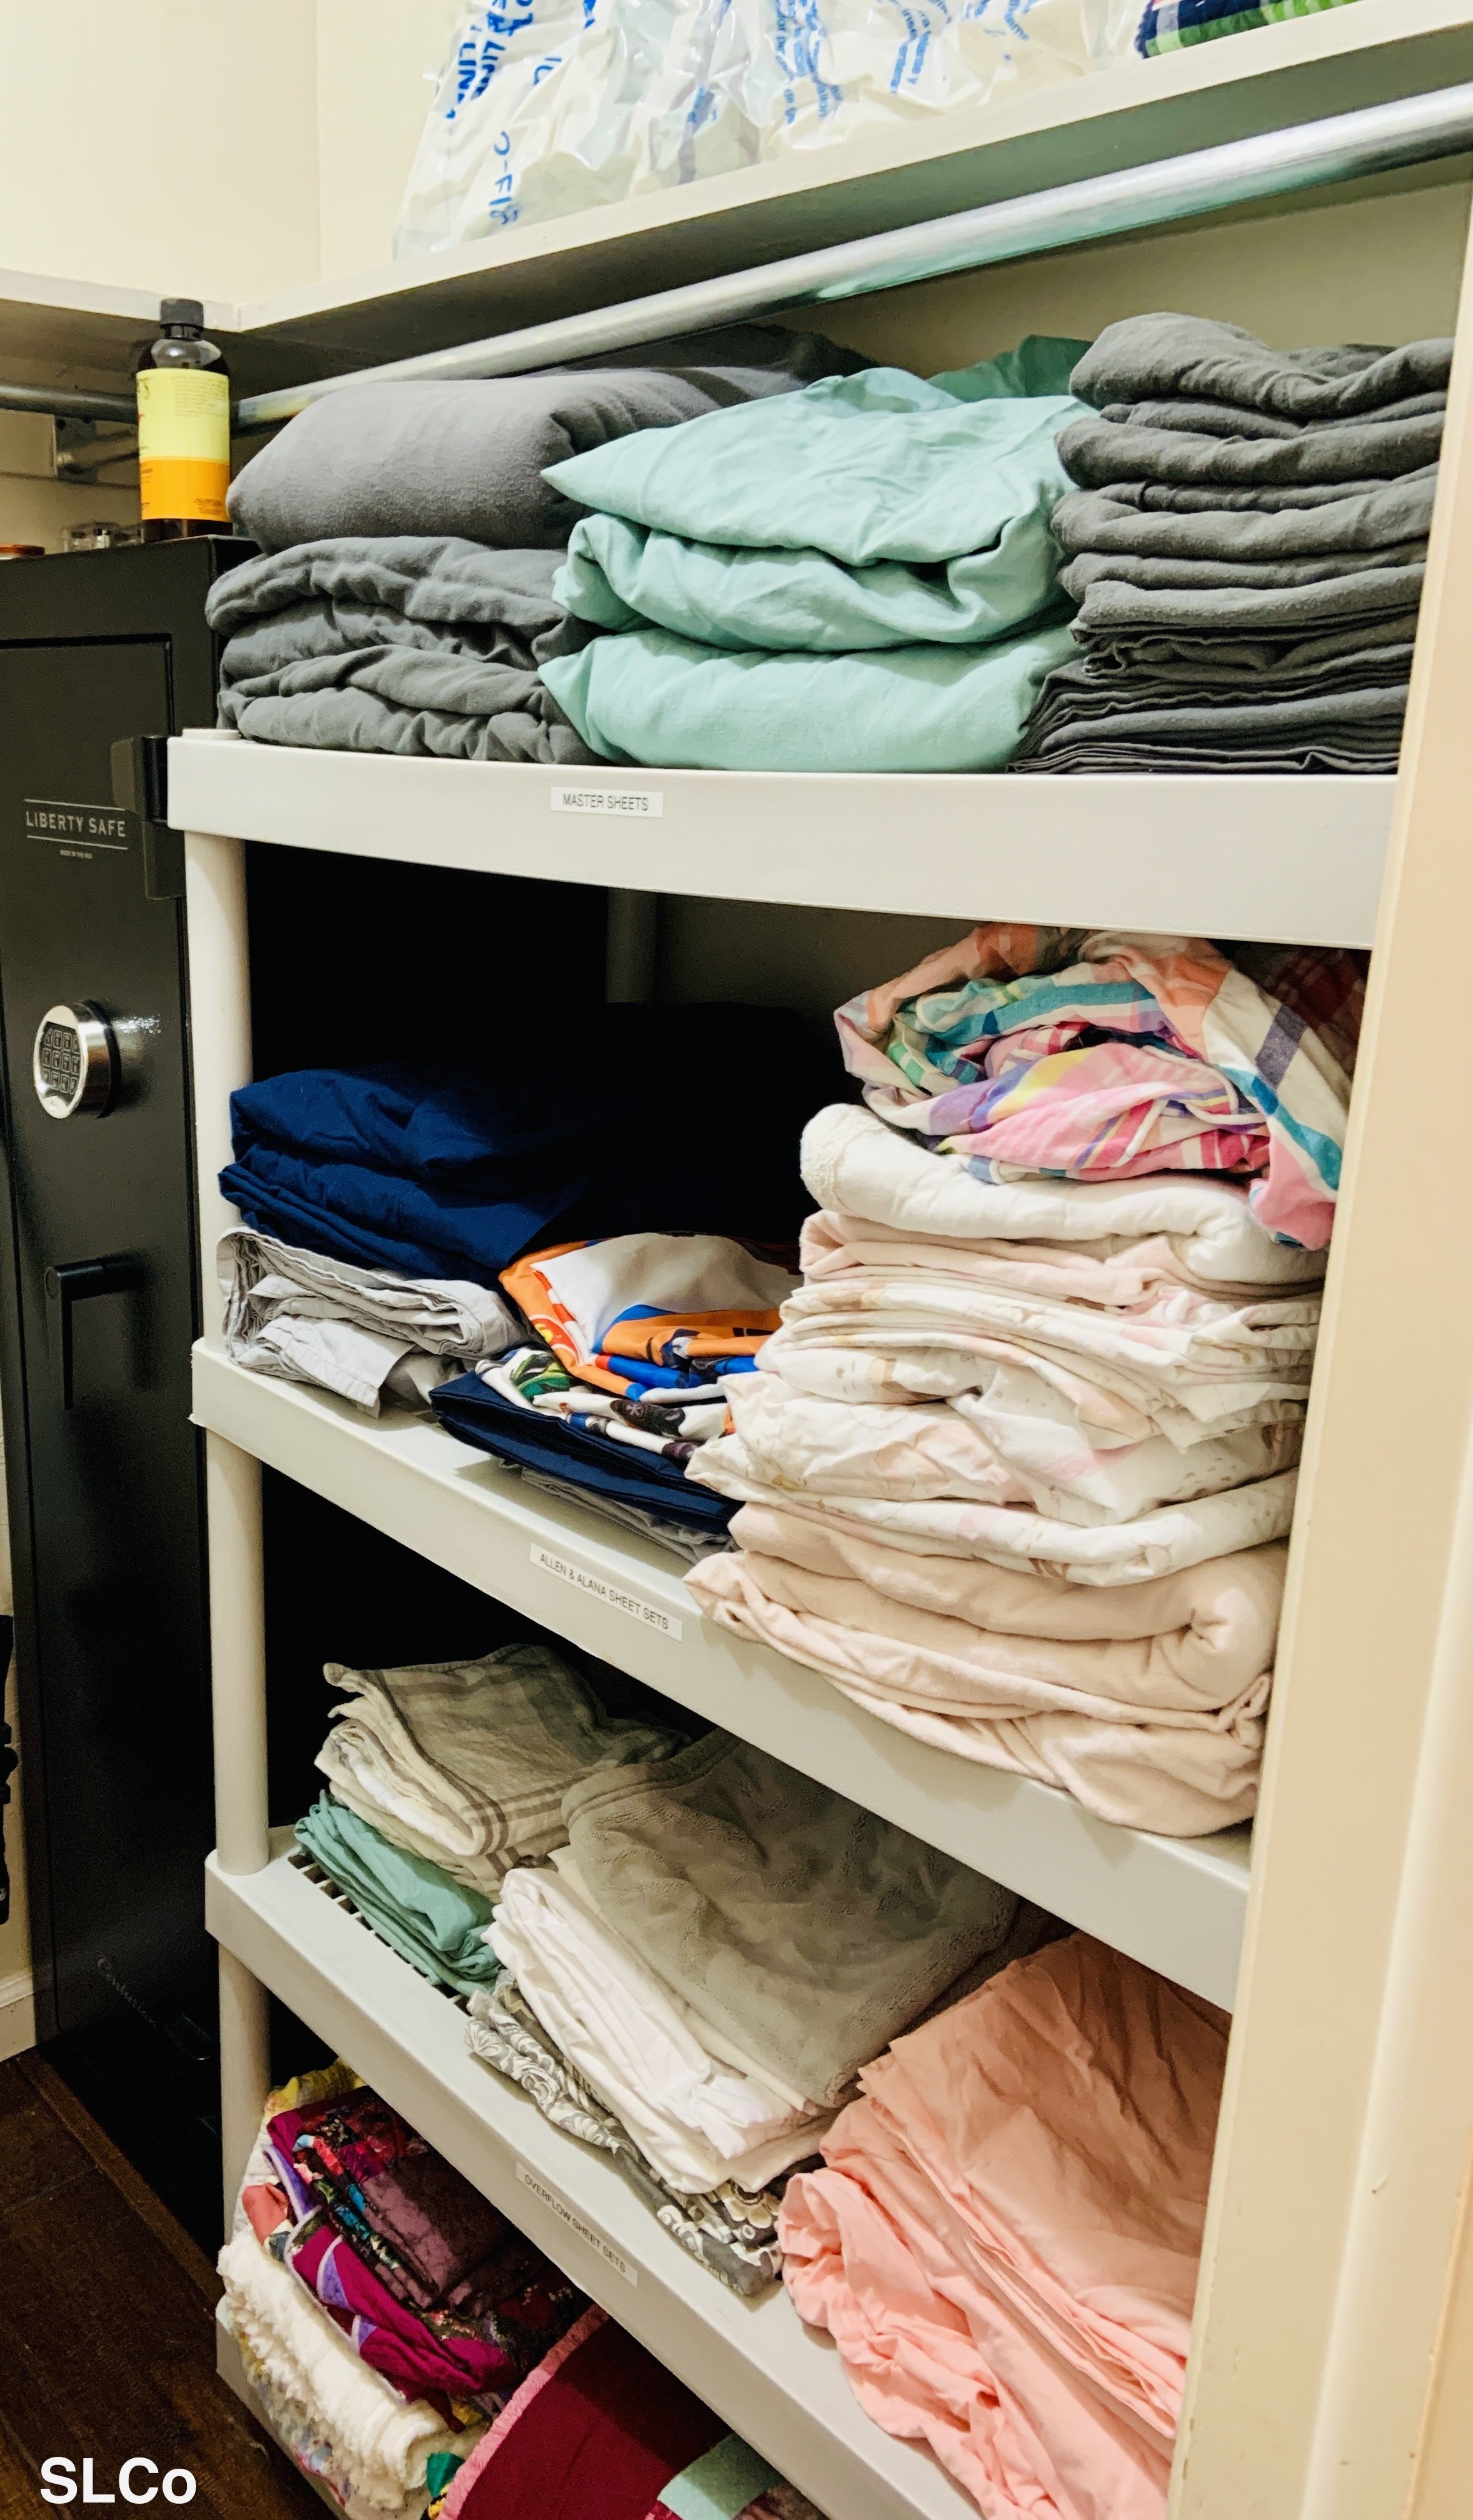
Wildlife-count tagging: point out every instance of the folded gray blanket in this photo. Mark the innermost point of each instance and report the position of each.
(1191, 357)
(1343, 527)
(1097, 452)
(467, 456)
(305, 1318)
(397, 644)
(805, 1929)
(1358, 731)
(1282, 609)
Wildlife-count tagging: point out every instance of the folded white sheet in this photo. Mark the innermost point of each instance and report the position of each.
(1154, 1721)
(700, 2117)
(854, 1162)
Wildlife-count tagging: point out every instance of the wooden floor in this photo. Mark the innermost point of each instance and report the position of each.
(107, 2325)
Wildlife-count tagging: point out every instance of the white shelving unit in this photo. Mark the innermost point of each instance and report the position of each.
(1177, 1903)
(1299, 860)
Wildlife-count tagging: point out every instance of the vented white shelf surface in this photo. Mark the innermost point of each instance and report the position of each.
(1298, 859)
(778, 2385)
(1176, 1904)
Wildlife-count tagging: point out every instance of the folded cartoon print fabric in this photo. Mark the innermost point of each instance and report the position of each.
(650, 1312)
(1055, 1052)
(1004, 2242)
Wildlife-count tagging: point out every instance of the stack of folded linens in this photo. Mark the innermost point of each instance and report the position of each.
(1017, 1470)
(404, 599)
(1246, 543)
(860, 576)
(693, 1980)
(621, 1381)
(1004, 2242)
(383, 2309)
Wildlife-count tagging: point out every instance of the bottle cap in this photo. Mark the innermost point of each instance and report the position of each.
(181, 310)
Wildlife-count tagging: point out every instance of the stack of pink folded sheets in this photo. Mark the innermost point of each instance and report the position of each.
(1003, 2243)
(1017, 1469)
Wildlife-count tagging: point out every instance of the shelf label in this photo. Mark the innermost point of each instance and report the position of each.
(602, 1590)
(634, 801)
(558, 2205)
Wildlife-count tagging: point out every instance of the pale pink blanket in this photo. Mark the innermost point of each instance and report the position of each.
(1005, 2243)
(1144, 1701)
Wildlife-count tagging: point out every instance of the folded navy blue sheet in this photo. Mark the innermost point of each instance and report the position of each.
(637, 1119)
(479, 1416)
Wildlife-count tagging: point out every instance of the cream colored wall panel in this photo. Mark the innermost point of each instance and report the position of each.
(376, 62)
(1386, 268)
(168, 145)
(1376, 1536)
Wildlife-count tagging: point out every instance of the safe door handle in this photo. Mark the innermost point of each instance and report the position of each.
(72, 1281)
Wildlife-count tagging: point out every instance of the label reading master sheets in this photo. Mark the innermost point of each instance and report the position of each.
(550, 2197)
(602, 1591)
(635, 803)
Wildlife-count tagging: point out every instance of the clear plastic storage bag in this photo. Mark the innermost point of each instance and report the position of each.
(551, 106)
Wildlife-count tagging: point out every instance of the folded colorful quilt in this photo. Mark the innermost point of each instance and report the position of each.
(856, 1165)
(700, 2116)
(1169, 24)
(646, 1313)
(602, 2427)
(307, 1319)
(731, 2233)
(470, 456)
(1145, 1702)
(693, 1862)
(430, 1920)
(434, 1173)
(627, 1451)
(396, 644)
(1005, 2242)
(466, 1763)
(1053, 1051)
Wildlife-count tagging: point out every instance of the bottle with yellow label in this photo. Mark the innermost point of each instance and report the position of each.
(183, 427)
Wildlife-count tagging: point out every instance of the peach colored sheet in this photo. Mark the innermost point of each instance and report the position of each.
(1005, 2242)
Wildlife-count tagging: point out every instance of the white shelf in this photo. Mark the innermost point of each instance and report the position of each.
(920, 169)
(779, 2386)
(1176, 1904)
(1297, 860)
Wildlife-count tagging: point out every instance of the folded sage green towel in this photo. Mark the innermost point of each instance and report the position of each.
(434, 1923)
(807, 1930)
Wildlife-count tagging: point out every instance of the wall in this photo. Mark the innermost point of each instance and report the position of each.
(169, 147)
(376, 62)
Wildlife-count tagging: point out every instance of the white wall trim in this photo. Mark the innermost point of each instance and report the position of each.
(18, 2013)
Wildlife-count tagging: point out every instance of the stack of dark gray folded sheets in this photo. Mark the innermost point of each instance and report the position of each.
(403, 599)
(1246, 545)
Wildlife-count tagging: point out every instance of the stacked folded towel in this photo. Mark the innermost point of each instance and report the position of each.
(718, 1947)
(384, 2310)
(1003, 2243)
(600, 2426)
(436, 1174)
(1016, 1470)
(621, 1382)
(404, 599)
(1170, 25)
(1246, 543)
(860, 576)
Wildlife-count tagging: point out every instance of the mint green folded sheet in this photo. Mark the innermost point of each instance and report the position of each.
(651, 697)
(430, 1921)
(861, 576)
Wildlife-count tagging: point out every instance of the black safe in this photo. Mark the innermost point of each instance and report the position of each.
(99, 1303)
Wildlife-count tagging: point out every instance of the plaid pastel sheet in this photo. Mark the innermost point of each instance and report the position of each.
(1170, 25)
(1056, 1053)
